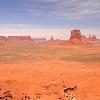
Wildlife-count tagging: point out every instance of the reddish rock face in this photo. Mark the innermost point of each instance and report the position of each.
(3, 37)
(77, 38)
(19, 38)
(75, 34)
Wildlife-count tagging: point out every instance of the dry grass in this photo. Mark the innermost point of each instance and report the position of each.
(77, 54)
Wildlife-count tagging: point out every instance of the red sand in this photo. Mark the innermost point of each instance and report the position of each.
(32, 77)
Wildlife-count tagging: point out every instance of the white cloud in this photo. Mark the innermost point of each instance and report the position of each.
(71, 9)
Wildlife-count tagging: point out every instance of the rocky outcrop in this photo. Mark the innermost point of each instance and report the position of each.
(92, 37)
(19, 38)
(3, 38)
(77, 38)
(51, 39)
(75, 34)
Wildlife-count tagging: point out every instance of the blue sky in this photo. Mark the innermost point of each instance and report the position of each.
(43, 18)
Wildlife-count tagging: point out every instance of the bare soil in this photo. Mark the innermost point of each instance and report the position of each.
(42, 73)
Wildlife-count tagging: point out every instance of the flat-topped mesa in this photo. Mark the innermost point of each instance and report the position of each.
(19, 38)
(3, 38)
(3, 41)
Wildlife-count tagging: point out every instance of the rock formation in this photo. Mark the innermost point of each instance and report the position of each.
(19, 38)
(75, 34)
(51, 39)
(3, 38)
(92, 38)
(77, 38)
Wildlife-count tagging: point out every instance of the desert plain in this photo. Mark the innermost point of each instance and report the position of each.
(42, 72)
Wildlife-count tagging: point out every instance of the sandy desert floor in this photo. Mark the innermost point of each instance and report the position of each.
(43, 73)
